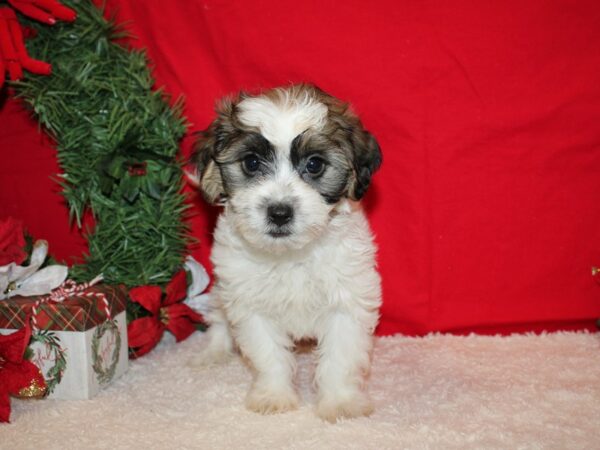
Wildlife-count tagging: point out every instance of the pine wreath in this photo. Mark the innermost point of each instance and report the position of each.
(54, 375)
(117, 141)
(105, 374)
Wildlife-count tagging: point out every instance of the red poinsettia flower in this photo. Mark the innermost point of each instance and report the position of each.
(12, 242)
(17, 376)
(167, 313)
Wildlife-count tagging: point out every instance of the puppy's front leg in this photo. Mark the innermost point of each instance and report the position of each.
(344, 361)
(268, 349)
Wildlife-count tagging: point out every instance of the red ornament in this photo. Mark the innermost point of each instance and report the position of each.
(18, 377)
(167, 312)
(137, 169)
(13, 54)
(12, 242)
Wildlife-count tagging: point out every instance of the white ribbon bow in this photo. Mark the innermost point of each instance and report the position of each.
(201, 303)
(28, 280)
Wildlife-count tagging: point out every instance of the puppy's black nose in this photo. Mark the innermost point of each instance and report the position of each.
(280, 213)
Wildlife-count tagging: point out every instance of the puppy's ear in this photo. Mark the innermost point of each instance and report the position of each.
(207, 175)
(365, 157)
(359, 146)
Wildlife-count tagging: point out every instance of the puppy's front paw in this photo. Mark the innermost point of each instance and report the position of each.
(265, 401)
(332, 409)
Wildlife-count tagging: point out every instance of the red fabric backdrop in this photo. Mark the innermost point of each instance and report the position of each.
(486, 209)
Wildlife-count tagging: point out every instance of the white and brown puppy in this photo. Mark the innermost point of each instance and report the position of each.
(293, 254)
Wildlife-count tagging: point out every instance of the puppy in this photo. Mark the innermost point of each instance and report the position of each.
(293, 254)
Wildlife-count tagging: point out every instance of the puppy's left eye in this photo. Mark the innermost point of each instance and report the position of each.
(251, 163)
(315, 166)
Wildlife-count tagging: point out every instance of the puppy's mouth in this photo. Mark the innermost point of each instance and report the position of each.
(277, 234)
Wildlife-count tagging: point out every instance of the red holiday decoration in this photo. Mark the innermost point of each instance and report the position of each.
(167, 312)
(18, 376)
(12, 242)
(13, 54)
(137, 169)
(46, 11)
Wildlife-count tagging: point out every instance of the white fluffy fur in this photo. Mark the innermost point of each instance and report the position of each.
(281, 120)
(318, 282)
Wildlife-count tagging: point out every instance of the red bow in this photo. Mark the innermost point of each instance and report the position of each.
(18, 376)
(13, 54)
(46, 11)
(167, 312)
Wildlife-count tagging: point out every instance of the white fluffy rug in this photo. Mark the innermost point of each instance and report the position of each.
(433, 392)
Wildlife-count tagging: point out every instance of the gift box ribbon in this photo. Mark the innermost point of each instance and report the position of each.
(72, 307)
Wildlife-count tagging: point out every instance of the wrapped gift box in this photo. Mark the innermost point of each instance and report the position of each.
(78, 350)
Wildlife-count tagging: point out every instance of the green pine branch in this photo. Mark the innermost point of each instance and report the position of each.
(117, 141)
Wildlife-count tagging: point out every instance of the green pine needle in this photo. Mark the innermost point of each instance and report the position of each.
(117, 141)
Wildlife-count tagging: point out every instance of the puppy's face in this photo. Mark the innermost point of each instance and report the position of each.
(281, 162)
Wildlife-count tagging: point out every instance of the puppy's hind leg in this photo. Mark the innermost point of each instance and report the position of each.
(219, 346)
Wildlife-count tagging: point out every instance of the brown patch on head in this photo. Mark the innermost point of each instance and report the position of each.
(351, 152)
(346, 132)
(211, 148)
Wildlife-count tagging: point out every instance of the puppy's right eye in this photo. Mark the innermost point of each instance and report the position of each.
(315, 166)
(251, 163)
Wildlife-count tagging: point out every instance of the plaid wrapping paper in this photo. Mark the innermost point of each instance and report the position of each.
(76, 313)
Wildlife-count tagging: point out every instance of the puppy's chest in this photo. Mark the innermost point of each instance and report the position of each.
(295, 295)
(288, 288)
